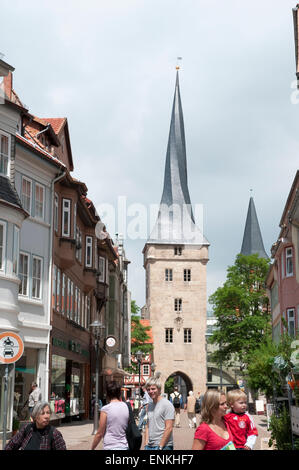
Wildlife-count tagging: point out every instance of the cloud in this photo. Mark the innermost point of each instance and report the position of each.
(110, 68)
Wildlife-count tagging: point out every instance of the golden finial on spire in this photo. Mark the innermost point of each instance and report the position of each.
(177, 66)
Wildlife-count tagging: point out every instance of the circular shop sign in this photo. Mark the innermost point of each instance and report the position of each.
(110, 341)
(11, 347)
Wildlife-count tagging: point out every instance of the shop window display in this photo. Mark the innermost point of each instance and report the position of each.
(9, 385)
(67, 387)
(25, 374)
(58, 392)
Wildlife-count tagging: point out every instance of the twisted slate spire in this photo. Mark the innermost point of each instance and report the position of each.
(175, 222)
(252, 239)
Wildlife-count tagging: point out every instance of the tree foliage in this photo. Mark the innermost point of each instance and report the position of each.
(262, 373)
(241, 309)
(139, 335)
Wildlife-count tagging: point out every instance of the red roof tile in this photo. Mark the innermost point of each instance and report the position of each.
(56, 123)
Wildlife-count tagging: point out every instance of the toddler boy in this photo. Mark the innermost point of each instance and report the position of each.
(240, 423)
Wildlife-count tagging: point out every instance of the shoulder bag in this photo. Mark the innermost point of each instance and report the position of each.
(134, 436)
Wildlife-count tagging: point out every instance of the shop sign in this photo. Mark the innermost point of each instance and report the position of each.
(70, 346)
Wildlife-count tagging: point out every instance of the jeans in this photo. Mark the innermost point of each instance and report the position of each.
(157, 448)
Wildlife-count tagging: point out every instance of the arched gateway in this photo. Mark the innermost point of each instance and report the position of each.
(175, 258)
(183, 382)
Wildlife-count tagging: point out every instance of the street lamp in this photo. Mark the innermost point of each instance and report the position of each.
(97, 327)
(138, 356)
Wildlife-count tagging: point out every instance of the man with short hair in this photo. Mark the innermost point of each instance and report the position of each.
(158, 434)
(176, 400)
(34, 396)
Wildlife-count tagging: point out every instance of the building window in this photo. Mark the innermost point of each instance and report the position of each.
(39, 201)
(72, 301)
(88, 252)
(78, 244)
(146, 369)
(168, 335)
(54, 281)
(66, 218)
(187, 335)
(15, 250)
(291, 322)
(289, 261)
(75, 219)
(101, 270)
(36, 278)
(63, 294)
(187, 275)
(178, 250)
(177, 305)
(4, 153)
(24, 274)
(79, 309)
(68, 297)
(56, 205)
(168, 275)
(58, 296)
(26, 194)
(2, 245)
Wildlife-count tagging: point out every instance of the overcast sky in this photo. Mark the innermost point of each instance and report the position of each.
(109, 67)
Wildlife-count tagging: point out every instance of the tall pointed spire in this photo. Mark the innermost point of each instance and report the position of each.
(175, 222)
(252, 239)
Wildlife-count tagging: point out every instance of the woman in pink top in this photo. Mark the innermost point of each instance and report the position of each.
(113, 421)
(212, 433)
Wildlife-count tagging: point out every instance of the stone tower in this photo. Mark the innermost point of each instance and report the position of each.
(175, 258)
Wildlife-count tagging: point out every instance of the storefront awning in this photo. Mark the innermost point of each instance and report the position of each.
(108, 371)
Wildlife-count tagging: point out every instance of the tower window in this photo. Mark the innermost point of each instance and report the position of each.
(168, 335)
(178, 305)
(187, 275)
(178, 250)
(187, 335)
(168, 275)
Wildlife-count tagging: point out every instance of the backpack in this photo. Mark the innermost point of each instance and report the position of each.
(197, 405)
(176, 401)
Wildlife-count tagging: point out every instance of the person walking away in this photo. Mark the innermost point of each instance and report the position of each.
(240, 422)
(35, 395)
(190, 408)
(146, 399)
(176, 400)
(113, 422)
(213, 433)
(38, 435)
(159, 428)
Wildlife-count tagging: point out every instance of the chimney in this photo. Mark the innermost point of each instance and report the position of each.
(7, 81)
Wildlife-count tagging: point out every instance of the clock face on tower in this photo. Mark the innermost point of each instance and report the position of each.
(110, 341)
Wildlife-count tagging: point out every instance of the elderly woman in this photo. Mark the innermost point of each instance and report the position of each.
(38, 435)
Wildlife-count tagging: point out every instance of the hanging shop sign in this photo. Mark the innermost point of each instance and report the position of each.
(11, 347)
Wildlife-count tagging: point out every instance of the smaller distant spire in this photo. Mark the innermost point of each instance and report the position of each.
(252, 239)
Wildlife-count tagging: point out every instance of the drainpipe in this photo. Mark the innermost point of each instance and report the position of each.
(55, 180)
